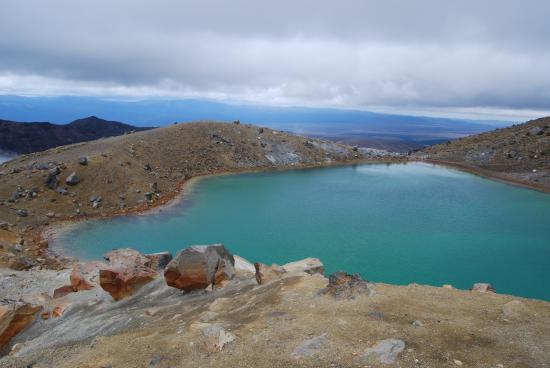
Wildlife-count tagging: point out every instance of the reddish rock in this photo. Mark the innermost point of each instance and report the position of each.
(127, 272)
(62, 291)
(45, 315)
(199, 266)
(14, 317)
(83, 273)
(81, 278)
(57, 311)
(483, 288)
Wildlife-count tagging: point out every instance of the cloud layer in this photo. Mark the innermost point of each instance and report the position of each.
(467, 55)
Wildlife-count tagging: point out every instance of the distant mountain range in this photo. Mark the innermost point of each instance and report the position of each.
(389, 131)
(16, 137)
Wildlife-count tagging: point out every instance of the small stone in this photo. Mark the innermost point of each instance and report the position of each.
(417, 323)
(483, 287)
(72, 179)
(457, 362)
(215, 337)
(311, 347)
(386, 350)
(22, 212)
(83, 160)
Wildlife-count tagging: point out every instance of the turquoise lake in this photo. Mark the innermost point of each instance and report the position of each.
(398, 223)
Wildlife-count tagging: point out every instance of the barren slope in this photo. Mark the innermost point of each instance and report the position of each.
(519, 153)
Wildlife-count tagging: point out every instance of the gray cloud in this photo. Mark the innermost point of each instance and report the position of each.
(401, 54)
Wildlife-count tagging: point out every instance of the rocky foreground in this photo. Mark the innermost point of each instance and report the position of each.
(209, 308)
(518, 154)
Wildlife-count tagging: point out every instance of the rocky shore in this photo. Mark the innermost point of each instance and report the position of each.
(208, 307)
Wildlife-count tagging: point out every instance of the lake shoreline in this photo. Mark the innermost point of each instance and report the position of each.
(52, 231)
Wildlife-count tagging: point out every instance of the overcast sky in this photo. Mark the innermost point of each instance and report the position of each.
(482, 58)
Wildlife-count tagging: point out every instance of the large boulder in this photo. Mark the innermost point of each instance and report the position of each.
(200, 266)
(127, 272)
(14, 317)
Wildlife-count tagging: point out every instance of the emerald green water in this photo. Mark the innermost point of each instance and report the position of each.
(392, 223)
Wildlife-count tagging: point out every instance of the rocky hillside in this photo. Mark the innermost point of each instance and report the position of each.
(519, 153)
(136, 171)
(34, 137)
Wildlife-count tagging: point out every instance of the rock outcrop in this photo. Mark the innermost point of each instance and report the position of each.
(14, 317)
(200, 266)
(483, 287)
(83, 277)
(127, 272)
(345, 286)
(308, 265)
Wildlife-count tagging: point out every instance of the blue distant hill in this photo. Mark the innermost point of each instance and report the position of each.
(351, 126)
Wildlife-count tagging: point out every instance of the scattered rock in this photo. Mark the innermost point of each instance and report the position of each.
(345, 286)
(160, 260)
(72, 179)
(236, 122)
(215, 337)
(418, 323)
(83, 160)
(52, 181)
(14, 317)
(22, 212)
(62, 191)
(147, 167)
(128, 271)
(199, 266)
(308, 265)
(386, 351)
(457, 362)
(483, 288)
(311, 347)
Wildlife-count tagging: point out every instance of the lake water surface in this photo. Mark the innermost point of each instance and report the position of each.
(398, 223)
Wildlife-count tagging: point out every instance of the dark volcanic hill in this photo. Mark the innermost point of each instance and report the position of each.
(519, 153)
(39, 136)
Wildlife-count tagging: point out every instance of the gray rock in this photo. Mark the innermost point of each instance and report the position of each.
(311, 347)
(483, 287)
(386, 351)
(72, 179)
(22, 212)
(55, 170)
(52, 181)
(417, 323)
(147, 167)
(4, 226)
(62, 191)
(83, 160)
(148, 196)
(215, 337)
